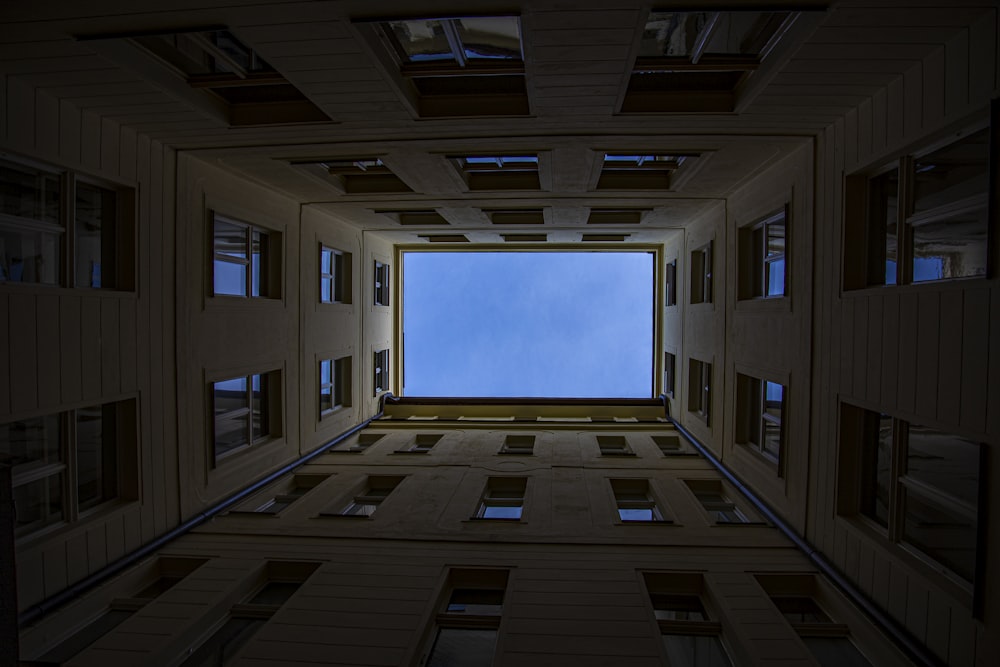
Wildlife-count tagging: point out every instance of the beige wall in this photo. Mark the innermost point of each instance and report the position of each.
(926, 353)
(65, 348)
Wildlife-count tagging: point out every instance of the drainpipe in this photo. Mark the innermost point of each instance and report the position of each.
(913, 649)
(35, 612)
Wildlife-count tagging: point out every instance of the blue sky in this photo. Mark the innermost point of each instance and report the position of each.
(528, 324)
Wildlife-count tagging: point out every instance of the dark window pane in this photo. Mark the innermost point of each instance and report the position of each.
(695, 651)
(38, 504)
(478, 601)
(28, 255)
(501, 512)
(30, 443)
(678, 607)
(947, 462)
(423, 40)
(259, 399)
(26, 192)
(800, 609)
(490, 37)
(951, 247)
(835, 652)
(232, 414)
(461, 647)
(96, 236)
(883, 193)
(954, 173)
(97, 455)
(876, 462)
(225, 643)
(946, 535)
(275, 592)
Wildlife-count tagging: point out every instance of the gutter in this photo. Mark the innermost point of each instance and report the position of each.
(35, 612)
(900, 636)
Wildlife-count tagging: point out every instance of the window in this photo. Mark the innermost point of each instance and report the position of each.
(246, 259)
(334, 384)
(690, 635)
(377, 490)
(921, 218)
(669, 373)
(516, 216)
(762, 267)
(503, 498)
(245, 412)
(616, 216)
(700, 390)
(670, 292)
(614, 445)
(422, 443)
(697, 61)
(456, 66)
(716, 501)
(334, 275)
(381, 281)
(381, 371)
(354, 175)
(68, 465)
(364, 441)
(523, 445)
(920, 486)
(468, 619)
(672, 445)
(701, 274)
(640, 172)
(224, 76)
(279, 498)
(634, 502)
(282, 580)
(795, 597)
(760, 406)
(168, 572)
(499, 172)
(44, 241)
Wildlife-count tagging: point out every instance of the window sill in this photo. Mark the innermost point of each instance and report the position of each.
(945, 284)
(764, 304)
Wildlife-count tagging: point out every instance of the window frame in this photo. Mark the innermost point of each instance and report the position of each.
(752, 419)
(270, 414)
(122, 237)
(339, 386)
(700, 389)
(687, 592)
(380, 283)
(754, 262)
(486, 581)
(858, 426)
(701, 283)
(380, 372)
(268, 266)
(864, 256)
(336, 283)
(632, 493)
(670, 374)
(502, 492)
(66, 467)
(670, 284)
(518, 445)
(728, 512)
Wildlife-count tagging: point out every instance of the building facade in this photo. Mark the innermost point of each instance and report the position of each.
(204, 213)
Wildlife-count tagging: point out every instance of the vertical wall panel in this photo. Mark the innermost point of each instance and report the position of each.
(90, 141)
(23, 349)
(97, 547)
(127, 345)
(126, 161)
(880, 121)
(46, 120)
(110, 158)
(983, 56)
(49, 363)
(993, 398)
(916, 610)
(865, 130)
(20, 114)
(69, 345)
(90, 346)
(896, 103)
(147, 405)
(909, 310)
(876, 348)
(956, 79)
(76, 557)
(859, 352)
(927, 333)
(5, 375)
(950, 361)
(170, 507)
(69, 133)
(934, 89)
(3, 107)
(847, 344)
(851, 139)
(110, 381)
(890, 350)
(156, 339)
(54, 564)
(913, 95)
(975, 351)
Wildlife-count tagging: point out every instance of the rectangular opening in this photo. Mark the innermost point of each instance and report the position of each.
(526, 322)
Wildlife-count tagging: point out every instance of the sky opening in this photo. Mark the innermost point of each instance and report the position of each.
(528, 324)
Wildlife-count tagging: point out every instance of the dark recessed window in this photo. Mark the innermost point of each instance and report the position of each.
(695, 61)
(628, 171)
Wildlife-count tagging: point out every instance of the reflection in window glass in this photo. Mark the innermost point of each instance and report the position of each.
(38, 504)
(876, 466)
(835, 652)
(463, 647)
(953, 247)
(97, 456)
(674, 34)
(490, 37)
(29, 256)
(883, 201)
(232, 415)
(695, 651)
(95, 240)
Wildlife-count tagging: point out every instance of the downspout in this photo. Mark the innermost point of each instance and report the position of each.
(35, 612)
(899, 635)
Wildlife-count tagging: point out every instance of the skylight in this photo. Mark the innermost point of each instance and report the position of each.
(528, 324)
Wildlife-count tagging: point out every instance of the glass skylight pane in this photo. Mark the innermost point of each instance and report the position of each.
(675, 34)
(422, 40)
(490, 37)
